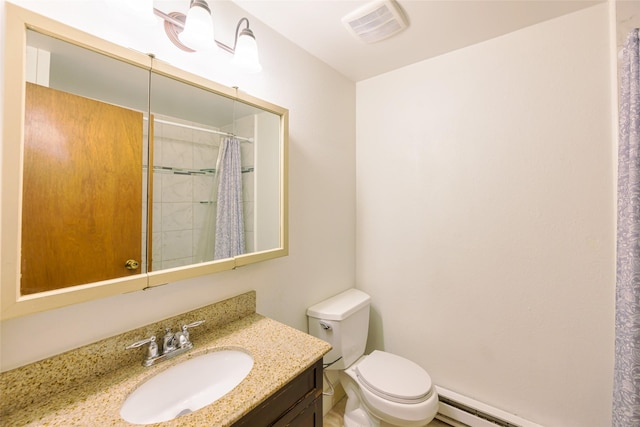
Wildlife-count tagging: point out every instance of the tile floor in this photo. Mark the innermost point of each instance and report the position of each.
(334, 417)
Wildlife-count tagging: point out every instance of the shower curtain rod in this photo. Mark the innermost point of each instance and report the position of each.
(167, 122)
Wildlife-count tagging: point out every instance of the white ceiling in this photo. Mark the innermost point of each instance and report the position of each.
(435, 27)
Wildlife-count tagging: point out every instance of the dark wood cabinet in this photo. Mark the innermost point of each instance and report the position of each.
(297, 404)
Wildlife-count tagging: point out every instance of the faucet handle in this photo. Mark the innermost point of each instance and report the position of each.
(185, 334)
(192, 325)
(152, 351)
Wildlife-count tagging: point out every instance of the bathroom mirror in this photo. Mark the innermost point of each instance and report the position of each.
(121, 172)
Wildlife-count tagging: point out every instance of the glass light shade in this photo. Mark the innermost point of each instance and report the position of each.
(198, 30)
(246, 53)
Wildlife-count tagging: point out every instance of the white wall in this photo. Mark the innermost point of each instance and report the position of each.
(321, 104)
(485, 218)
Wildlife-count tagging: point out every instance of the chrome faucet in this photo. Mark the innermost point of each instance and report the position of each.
(172, 344)
(167, 342)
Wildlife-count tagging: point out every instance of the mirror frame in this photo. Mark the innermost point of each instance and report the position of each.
(12, 303)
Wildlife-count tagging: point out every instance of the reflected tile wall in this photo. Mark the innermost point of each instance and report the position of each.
(180, 190)
(177, 216)
(176, 187)
(183, 190)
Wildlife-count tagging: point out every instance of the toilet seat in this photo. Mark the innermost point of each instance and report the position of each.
(394, 378)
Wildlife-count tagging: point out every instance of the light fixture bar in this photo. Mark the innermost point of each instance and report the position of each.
(244, 50)
(168, 18)
(225, 47)
(180, 24)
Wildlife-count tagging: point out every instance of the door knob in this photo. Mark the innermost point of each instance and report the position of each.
(132, 264)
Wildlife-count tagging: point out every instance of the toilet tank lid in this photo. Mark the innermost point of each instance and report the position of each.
(340, 306)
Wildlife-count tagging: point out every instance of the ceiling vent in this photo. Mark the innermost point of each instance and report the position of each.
(376, 21)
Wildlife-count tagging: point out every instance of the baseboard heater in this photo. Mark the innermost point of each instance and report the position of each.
(461, 411)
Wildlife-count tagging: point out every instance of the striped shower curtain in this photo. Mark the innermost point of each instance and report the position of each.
(626, 392)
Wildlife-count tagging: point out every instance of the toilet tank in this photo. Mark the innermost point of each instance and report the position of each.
(342, 321)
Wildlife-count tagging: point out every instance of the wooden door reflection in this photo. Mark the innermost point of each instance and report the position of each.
(82, 187)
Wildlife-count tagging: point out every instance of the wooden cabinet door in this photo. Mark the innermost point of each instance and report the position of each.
(311, 416)
(297, 404)
(82, 190)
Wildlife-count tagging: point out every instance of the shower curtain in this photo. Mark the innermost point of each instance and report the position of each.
(229, 240)
(626, 391)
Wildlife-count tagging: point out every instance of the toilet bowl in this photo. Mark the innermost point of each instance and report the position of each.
(392, 389)
(383, 389)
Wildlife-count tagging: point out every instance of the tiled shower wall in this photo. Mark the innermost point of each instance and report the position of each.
(183, 189)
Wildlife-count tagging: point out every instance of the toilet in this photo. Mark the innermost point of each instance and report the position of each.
(383, 389)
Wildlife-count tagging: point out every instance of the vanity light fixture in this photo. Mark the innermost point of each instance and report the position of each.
(194, 32)
(245, 49)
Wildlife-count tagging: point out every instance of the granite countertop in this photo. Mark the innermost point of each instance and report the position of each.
(280, 353)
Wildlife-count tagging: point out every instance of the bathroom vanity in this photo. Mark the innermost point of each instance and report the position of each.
(88, 386)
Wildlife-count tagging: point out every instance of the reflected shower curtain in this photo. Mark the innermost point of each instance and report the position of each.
(230, 219)
(626, 389)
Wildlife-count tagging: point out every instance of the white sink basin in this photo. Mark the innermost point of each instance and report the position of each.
(186, 387)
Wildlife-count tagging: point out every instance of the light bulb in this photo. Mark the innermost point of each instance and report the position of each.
(198, 29)
(246, 53)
